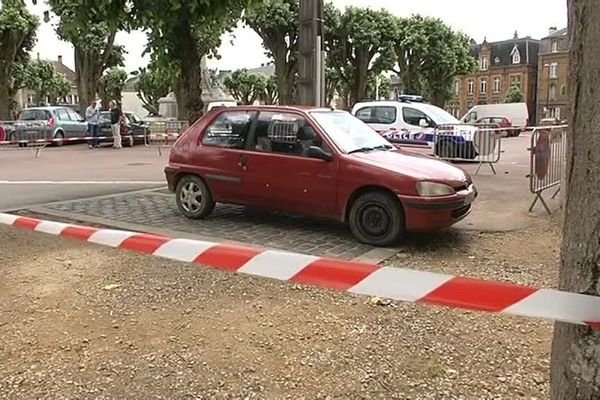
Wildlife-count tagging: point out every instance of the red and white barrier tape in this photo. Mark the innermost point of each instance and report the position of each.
(353, 277)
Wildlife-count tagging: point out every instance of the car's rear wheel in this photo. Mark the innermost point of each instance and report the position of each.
(58, 139)
(377, 218)
(128, 141)
(194, 199)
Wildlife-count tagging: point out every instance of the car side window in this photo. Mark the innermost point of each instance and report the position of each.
(285, 133)
(230, 130)
(63, 115)
(412, 116)
(74, 116)
(377, 115)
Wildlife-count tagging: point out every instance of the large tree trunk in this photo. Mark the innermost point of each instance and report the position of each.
(285, 73)
(5, 97)
(86, 78)
(576, 349)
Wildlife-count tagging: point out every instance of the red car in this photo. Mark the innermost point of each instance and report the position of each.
(317, 162)
(500, 122)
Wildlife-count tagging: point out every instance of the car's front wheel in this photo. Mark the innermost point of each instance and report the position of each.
(58, 139)
(377, 218)
(127, 141)
(193, 197)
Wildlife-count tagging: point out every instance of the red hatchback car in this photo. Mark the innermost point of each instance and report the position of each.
(318, 162)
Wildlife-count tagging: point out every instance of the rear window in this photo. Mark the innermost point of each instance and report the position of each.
(34, 115)
(230, 129)
(377, 115)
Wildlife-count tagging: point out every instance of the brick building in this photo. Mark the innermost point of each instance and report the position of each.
(500, 65)
(553, 64)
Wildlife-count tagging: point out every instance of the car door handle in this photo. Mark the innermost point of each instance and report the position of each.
(243, 162)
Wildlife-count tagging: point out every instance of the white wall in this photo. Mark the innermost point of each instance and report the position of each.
(131, 103)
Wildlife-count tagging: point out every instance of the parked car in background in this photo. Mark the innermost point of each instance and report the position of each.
(500, 122)
(516, 113)
(411, 122)
(49, 123)
(318, 162)
(133, 129)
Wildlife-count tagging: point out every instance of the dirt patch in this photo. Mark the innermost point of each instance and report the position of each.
(171, 330)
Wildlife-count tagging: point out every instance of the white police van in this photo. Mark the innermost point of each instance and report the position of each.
(412, 121)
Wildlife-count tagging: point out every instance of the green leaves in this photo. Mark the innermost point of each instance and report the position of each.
(41, 77)
(514, 95)
(111, 84)
(247, 87)
(151, 84)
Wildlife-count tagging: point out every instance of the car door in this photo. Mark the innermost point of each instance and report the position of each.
(277, 171)
(412, 117)
(221, 153)
(64, 122)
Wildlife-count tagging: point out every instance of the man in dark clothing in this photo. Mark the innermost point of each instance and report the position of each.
(115, 121)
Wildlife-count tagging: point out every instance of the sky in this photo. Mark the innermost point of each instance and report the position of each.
(491, 19)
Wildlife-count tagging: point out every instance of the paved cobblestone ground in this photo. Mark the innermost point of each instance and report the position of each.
(240, 224)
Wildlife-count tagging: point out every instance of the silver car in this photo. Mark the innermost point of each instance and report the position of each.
(49, 123)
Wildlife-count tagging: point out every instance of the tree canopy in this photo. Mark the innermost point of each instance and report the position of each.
(17, 37)
(48, 84)
(151, 84)
(246, 87)
(111, 84)
(514, 95)
(430, 55)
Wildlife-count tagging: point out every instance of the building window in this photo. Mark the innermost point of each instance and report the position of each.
(497, 60)
(496, 85)
(554, 46)
(553, 92)
(29, 99)
(483, 63)
(483, 86)
(515, 80)
(516, 55)
(554, 70)
(456, 87)
(556, 112)
(471, 86)
(563, 90)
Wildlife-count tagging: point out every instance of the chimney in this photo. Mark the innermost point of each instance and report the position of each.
(516, 35)
(552, 30)
(60, 60)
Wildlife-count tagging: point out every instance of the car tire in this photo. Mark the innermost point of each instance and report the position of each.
(193, 196)
(59, 136)
(376, 218)
(445, 149)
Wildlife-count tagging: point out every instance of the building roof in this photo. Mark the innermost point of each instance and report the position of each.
(501, 52)
(560, 33)
(63, 69)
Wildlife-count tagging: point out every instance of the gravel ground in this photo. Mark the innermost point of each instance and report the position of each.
(80, 321)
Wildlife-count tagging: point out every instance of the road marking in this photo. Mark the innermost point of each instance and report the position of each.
(4, 182)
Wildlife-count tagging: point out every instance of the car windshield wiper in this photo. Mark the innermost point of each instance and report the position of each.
(384, 147)
(361, 150)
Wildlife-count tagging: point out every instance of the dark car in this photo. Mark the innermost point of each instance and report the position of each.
(133, 130)
(500, 122)
(317, 162)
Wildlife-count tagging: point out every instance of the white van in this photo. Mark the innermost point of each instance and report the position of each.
(517, 113)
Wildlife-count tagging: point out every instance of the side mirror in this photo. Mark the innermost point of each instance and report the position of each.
(317, 152)
(423, 123)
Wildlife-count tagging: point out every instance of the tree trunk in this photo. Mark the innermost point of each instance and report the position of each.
(86, 79)
(576, 349)
(5, 111)
(284, 73)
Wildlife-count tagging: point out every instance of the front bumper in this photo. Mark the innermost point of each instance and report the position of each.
(431, 213)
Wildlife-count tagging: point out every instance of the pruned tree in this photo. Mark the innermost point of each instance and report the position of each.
(180, 34)
(151, 84)
(576, 348)
(514, 95)
(91, 26)
(271, 92)
(359, 43)
(111, 85)
(244, 86)
(429, 57)
(17, 38)
(276, 22)
(48, 84)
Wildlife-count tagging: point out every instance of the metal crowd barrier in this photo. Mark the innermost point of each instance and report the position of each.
(163, 134)
(25, 135)
(547, 161)
(459, 143)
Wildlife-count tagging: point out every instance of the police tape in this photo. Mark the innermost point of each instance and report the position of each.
(353, 277)
(149, 137)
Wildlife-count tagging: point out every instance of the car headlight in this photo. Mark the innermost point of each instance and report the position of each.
(432, 189)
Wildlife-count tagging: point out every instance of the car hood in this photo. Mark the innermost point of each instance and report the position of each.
(414, 165)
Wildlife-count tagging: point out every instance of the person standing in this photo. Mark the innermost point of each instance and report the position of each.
(92, 116)
(116, 117)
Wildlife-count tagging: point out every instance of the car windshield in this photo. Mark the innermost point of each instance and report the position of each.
(439, 116)
(33, 115)
(348, 132)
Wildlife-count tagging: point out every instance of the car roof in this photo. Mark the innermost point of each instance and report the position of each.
(300, 108)
(49, 108)
(390, 103)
